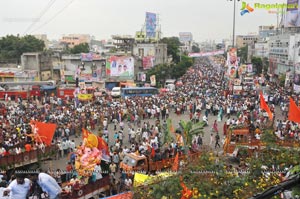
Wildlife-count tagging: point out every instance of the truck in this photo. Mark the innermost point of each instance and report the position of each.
(25, 158)
(136, 163)
(99, 188)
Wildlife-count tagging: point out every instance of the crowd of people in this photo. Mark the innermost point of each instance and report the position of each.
(137, 123)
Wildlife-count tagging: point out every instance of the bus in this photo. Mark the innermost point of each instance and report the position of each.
(138, 91)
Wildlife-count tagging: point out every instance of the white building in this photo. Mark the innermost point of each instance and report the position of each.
(261, 49)
(283, 53)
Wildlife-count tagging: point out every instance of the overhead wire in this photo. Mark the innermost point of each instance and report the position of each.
(41, 14)
(54, 16)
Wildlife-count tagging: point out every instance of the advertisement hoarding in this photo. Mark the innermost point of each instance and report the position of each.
(232, 63)
(148, 62)
(150, 24)
(292, 17)
(120, 66)
(185, 37)
(205, 54)
(89, 57)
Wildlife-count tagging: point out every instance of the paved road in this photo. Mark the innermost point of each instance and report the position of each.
(61, 163)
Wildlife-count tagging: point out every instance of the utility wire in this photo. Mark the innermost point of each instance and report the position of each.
(42, 13)
(60, 11)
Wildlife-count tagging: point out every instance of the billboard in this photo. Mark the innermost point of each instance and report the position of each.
(297, 83)
(292, 18)
(185, 37)
(232, 63)
(148, 62)
(150, 25)
(120, 66)
(89, 57)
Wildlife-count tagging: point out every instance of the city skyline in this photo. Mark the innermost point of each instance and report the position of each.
(206, 20)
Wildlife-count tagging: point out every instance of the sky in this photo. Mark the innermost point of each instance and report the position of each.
(207, 20)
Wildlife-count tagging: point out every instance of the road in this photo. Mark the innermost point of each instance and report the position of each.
(61, 163)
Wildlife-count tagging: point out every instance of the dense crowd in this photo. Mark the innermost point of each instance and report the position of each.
(138, 122)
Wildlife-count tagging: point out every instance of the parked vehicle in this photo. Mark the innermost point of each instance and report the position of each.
(116, 92)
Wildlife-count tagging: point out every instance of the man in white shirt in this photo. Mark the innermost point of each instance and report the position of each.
(18, 188)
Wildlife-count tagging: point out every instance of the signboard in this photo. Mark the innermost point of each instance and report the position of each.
(232, 63)
(120, 66)
(292, 18)
(152, 80)
(150, 24)
(205, 54)
(85, 97)
(148, 62)
(185, 37)
(89, 57)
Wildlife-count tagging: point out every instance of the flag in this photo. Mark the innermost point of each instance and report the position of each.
(43, 132)
(294, 112)
(85, 133)
(103, 146)
(152, 152)
(175, 166)
(264, 106)
(186, 192)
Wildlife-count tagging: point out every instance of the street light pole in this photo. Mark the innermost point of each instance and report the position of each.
(233, 31)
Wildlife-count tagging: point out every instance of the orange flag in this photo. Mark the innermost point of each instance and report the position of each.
(186, 192)
(294, 112)
(264, 106)
(43, 132)
(175, 166)
(85, 133)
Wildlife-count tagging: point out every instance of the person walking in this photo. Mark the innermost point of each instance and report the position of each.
(217, 137)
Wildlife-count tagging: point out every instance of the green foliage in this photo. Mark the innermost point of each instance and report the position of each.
(282, 80)
(173, 44)
(243, 53)
(12, 47)
(80, 48)
(257, 63)
(195, 49)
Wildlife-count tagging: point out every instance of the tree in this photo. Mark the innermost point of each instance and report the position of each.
(195, 49)
(12, 47)
(173, 45)
(243, 53)
(257, 63)
(80, 48)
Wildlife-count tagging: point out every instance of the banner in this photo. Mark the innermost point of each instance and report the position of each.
(124, 195)
(205, 54)
(152, 80)
(85, 97)
(297, 83)
(120, 66)
(89, 57)
(249, 68)
(148, 62)
(232, 63)
(292, 18)
(150, 25)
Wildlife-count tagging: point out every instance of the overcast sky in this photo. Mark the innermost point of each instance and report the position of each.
(205, 19)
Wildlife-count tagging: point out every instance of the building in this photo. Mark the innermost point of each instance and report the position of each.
(261, 49)
(266, 31)
(72, 40)
(44, 38)
(284, 54)
(244, 40)
(186, 38)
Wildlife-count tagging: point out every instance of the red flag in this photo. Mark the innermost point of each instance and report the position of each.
(152, 152)
(175, 166)
(294, 112)
(43, 132)
(264, 106)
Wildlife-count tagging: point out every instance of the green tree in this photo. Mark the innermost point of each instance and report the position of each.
(243, 53)
(173, 45)
(80, 48)
(195, 49)
(12, 47)
(257, 63)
